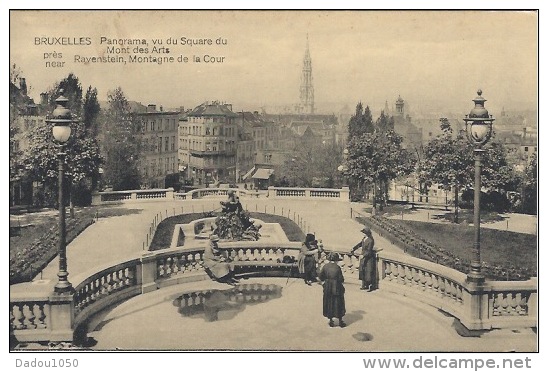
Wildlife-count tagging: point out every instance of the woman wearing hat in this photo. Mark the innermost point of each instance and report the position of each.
(367, 259)
(307, 259)
(333, 290)
(216, 263)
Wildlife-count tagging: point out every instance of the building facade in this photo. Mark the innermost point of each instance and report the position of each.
(208, 140)
(159, 156)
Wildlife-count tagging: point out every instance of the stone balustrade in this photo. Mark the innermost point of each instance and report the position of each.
(128, 196)
(308, 193)
(106, 197)
(106, 287)
(478, 306)
(38, 314)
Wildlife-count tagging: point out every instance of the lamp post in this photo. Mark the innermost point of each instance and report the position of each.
(479, 127)
(60, 119)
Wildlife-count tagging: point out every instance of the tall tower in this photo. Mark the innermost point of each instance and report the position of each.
(399, 107)
(307, 89)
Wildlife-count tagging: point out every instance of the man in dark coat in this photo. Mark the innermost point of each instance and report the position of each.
(333, 290)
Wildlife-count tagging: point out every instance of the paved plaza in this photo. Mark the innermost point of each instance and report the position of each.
(377, 321)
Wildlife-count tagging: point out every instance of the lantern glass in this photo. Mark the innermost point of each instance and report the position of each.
(61, 133)
(479, 131)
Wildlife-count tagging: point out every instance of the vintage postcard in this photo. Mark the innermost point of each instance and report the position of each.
(338, 181)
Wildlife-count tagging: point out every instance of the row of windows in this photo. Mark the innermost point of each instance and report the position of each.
(219, 119)
(159, 144)
(209, 145)
(161, 167)
(160, 125)
(199, 130)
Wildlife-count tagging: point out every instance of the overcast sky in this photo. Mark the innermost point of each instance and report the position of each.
(438, 58)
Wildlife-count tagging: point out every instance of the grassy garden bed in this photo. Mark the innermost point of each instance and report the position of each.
(37, 241)
(505, 255)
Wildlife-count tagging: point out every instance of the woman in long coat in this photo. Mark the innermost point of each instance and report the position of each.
(333, 290)
(368, 262)
(307, 259)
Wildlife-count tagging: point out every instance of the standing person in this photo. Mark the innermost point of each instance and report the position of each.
(307, 259)
(217, 263)
(367, 259)
(333, 290)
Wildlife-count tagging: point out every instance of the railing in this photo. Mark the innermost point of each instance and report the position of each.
(491, 305)
(111, 285)
(45, 316)
(308, 193)
(127, 196)
(30, 314)
(105, 197)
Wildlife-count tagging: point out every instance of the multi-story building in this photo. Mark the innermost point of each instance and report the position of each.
(159, 146)
(208, 137)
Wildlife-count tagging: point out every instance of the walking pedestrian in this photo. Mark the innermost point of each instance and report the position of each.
(333, 290)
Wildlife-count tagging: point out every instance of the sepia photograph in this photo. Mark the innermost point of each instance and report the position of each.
(274, 181)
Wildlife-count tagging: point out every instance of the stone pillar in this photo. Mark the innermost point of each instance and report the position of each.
(170, 193)
(96, 198)
(476, 306)
(271, 192)
(307, 193)
(61, 316)
(345, 194)
(134, 195)
(148, 272)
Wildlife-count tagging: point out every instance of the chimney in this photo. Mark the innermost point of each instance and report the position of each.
(151, 108)
(161, 108)
(181, 109)
(524, 131)
(256, 113)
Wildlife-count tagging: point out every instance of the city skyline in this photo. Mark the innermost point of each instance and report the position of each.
(434, 58)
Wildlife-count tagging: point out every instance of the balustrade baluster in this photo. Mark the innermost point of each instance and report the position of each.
(388, 271)
(442, 287)
(28, 312)
(169, 265)
(401, 274)
(18, 316)
(436, 285)
(160, 268)
(512, 304)
(40, 316)
(497, 301)
(104, 285)
(459, 294)
(522, 304)
(422, 280)
(504, 304)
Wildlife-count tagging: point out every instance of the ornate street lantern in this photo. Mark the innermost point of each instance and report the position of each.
(61, 118)
(479, 128)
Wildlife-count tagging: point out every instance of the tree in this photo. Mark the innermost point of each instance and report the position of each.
(40, 158)
(121, 143)
(529, 187)
(91, 110)
(377, 157)
(361, 122)
(449, 162)
(312, 164)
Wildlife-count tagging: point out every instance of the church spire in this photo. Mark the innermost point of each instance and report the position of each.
(307, 89)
